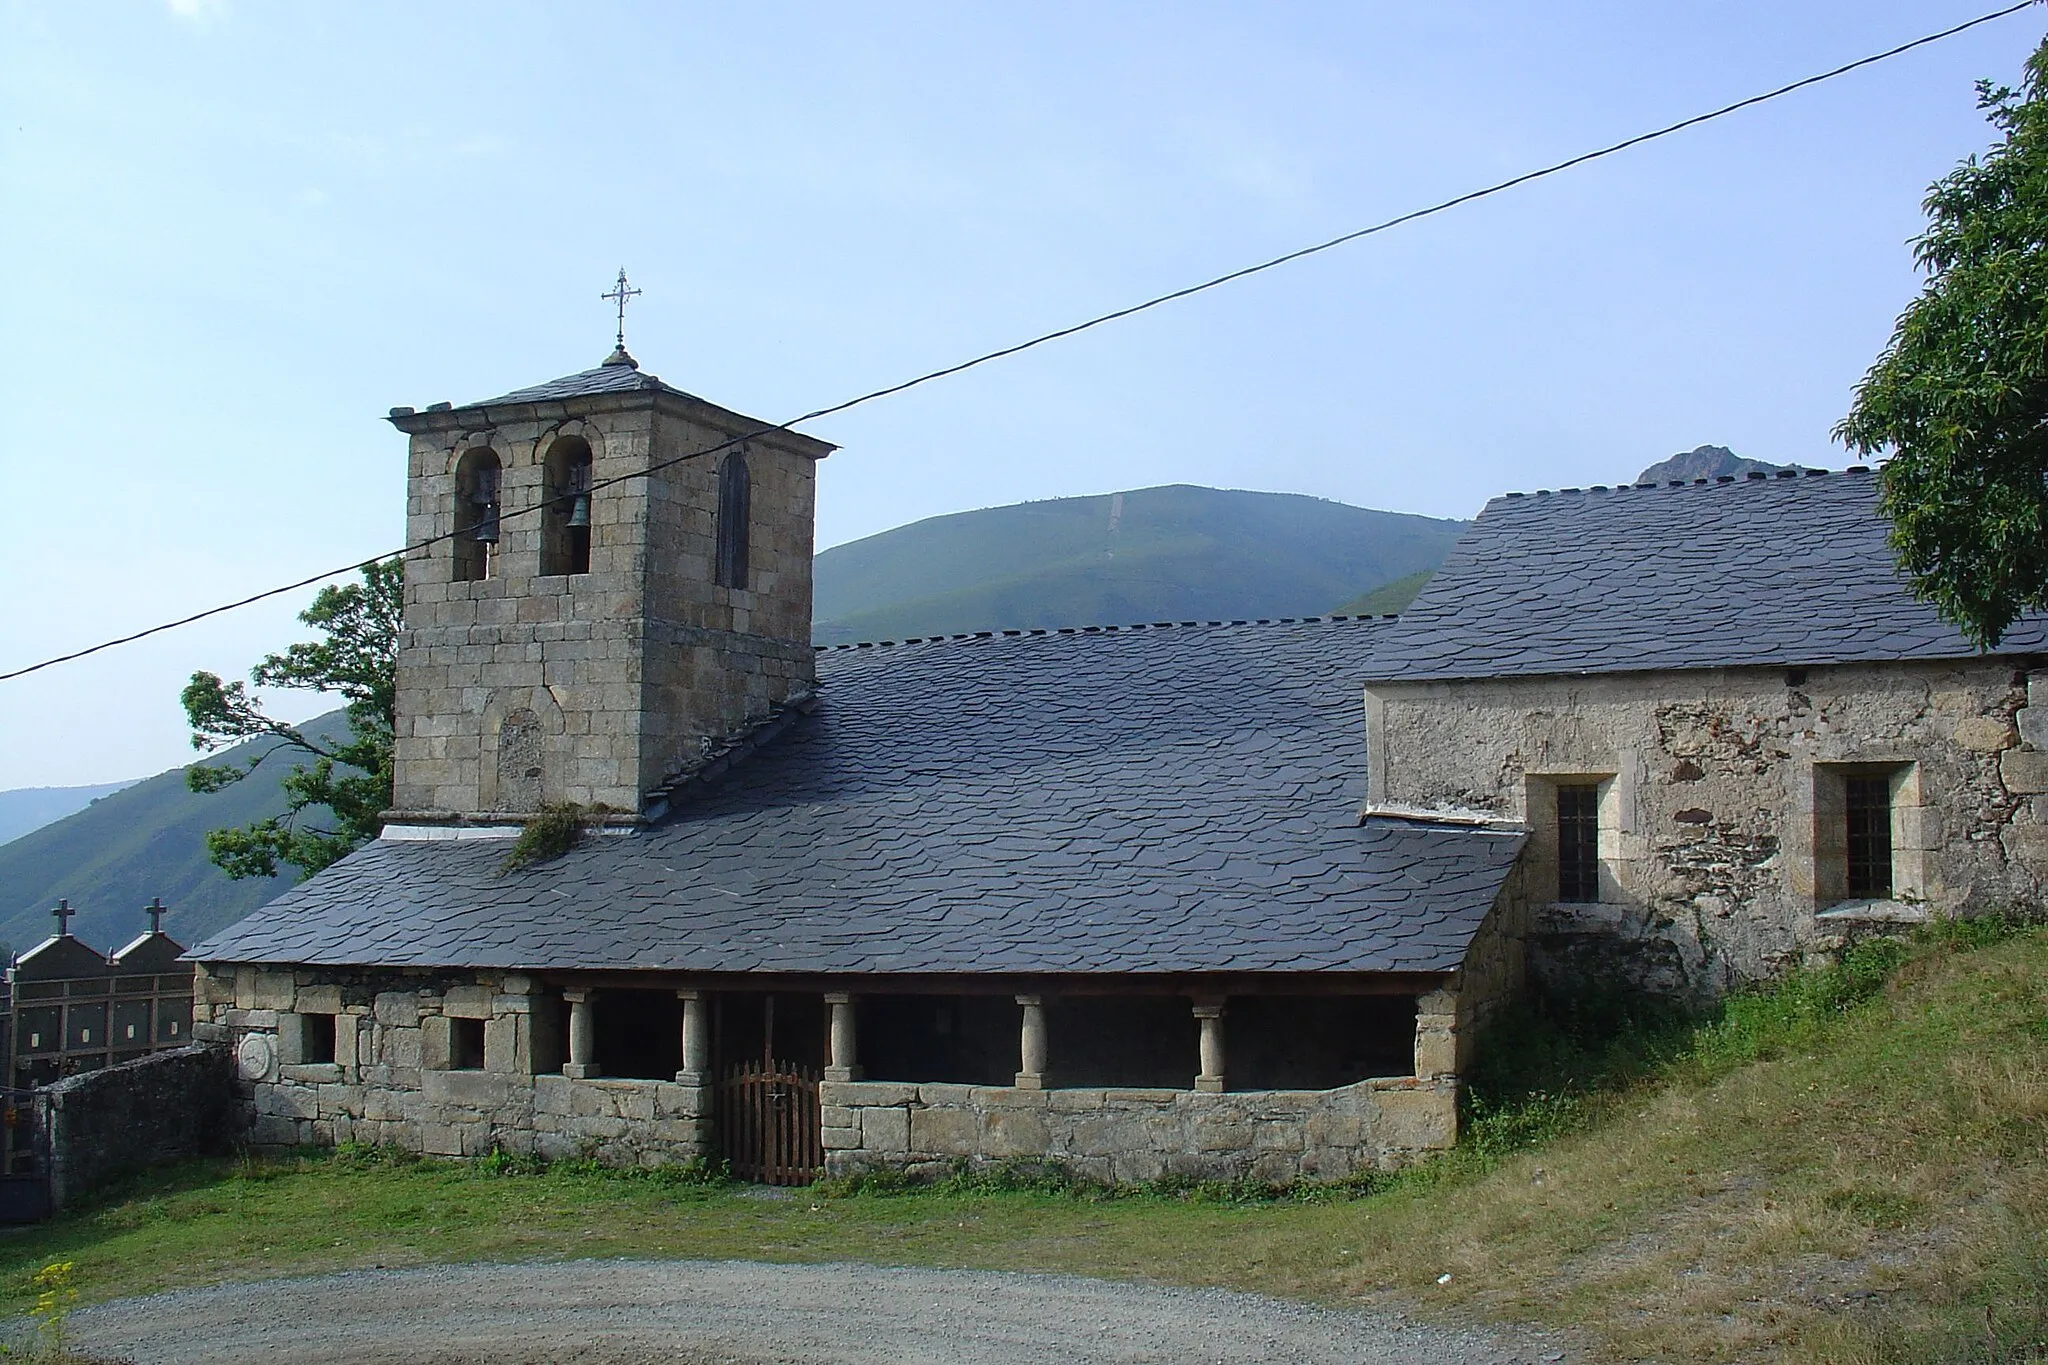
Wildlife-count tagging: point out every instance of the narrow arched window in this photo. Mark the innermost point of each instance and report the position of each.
(734, 494)
(565, 510)
(477, 477)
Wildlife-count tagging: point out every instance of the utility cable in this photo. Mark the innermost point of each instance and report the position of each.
(1074, 330)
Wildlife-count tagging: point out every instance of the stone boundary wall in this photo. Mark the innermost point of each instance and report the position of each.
(123, 1118)
(1127, 1136)
(391, 1083)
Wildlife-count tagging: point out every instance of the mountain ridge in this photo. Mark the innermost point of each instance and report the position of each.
(1178, 551)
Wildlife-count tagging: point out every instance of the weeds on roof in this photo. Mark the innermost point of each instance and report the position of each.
(557, 828)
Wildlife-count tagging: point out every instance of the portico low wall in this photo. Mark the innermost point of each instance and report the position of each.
(622, 1123)
(395, 1078)
(1128, 1136)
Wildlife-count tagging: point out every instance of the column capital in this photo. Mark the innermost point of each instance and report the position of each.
(839, 997)
(688, 993)
(577, 995)
(1208, 1009)
(1031, 1002)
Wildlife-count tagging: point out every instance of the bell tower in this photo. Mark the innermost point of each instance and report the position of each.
(615, 578)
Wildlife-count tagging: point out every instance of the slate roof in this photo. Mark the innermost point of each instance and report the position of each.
(610, 377)
(1759, 571)
(1170, 799)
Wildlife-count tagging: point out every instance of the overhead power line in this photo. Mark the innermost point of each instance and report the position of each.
(1074, 330)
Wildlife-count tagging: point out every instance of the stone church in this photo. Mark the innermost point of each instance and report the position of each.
(1204, 898)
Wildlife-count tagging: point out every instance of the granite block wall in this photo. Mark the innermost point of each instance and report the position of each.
(122, 1118)
(595, 688)
(392, 1079)
(1128, 1136)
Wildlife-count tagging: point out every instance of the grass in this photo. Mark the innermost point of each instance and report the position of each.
(1850, 1168)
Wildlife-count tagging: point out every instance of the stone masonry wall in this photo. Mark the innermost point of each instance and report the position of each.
(122, 1118)
(391, 1082)
(593, 688)
(1139, 1135)
(1451, 1023)
(1720, 842)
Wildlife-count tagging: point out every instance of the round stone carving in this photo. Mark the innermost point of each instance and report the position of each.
(257, 1057)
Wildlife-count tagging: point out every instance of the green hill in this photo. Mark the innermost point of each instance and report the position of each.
(27, 808)
(1154, 554)
(142, 841)
(1388, 599)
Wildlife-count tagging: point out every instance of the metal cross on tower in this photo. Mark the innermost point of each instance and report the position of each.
(621, 294)
(63, 912)
(155, 910)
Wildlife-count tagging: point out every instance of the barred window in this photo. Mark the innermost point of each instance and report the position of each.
(1578, 841)
(1868, 805)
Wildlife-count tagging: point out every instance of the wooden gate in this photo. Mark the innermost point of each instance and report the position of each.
(768, 1123)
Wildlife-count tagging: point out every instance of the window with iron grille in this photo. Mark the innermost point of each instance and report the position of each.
(1578, 841)
(1868, 801)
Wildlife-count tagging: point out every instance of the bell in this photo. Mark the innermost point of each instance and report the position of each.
(486, 532)
(579, 510)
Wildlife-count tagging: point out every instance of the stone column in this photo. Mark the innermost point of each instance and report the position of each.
(582, 1063)
(696, 1040)
(1031, 1075)
(844, 1064)
(1209, 1013)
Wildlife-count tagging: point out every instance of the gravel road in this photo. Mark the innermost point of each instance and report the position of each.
(741, 1313)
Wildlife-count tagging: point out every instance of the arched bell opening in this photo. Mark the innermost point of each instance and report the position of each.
(565, 513)
(478, 479)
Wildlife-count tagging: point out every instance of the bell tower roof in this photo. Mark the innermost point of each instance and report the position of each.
(619, 373)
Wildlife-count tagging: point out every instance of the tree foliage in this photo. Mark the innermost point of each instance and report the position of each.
(333, 802)
(1960, 395)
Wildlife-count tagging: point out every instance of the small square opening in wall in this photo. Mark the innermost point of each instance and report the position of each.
(465, 1045)
(316, 1038)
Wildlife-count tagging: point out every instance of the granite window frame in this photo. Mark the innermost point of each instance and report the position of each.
(1846, 794)
(1601, 881)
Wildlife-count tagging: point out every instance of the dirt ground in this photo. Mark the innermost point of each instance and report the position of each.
(740, 1313)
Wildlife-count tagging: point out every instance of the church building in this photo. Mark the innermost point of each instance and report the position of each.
(1096, 895)
(1202, 898)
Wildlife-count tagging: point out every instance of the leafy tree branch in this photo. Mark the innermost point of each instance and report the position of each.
(1960, 395)
(349, 779)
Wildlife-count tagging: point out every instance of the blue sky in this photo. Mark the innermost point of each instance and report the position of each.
(237, 233)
